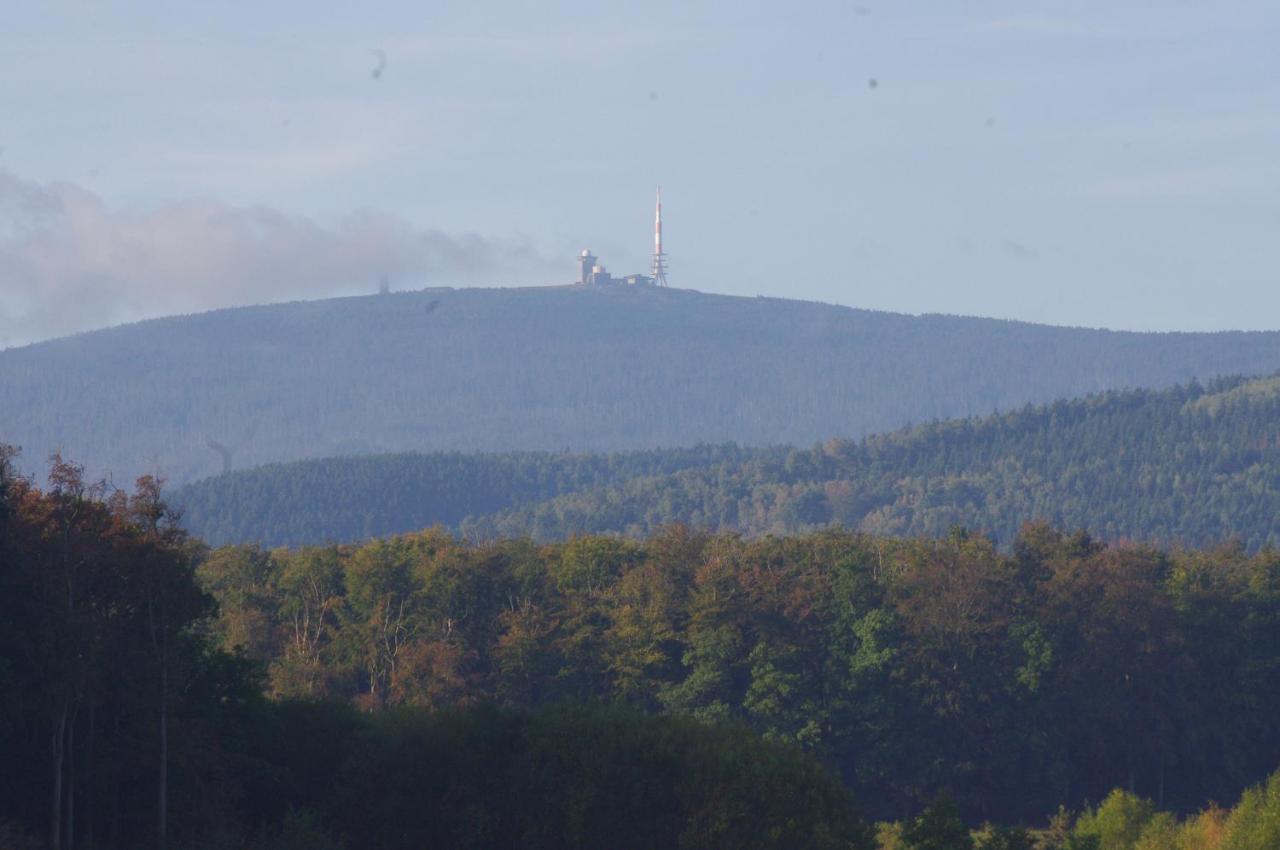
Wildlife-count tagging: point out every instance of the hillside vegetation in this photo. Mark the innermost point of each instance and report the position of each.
(687, 690)
(345, 499)
(125, 724)
(1195, 465)
(596, 370)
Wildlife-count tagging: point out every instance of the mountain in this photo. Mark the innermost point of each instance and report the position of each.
(1193, 465)
(589, 369)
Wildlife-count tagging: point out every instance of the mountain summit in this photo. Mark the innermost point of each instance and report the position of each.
(581, 368)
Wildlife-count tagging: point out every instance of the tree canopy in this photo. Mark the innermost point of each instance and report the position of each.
(1015, 681)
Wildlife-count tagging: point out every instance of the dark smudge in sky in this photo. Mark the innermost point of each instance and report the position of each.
(381, 56)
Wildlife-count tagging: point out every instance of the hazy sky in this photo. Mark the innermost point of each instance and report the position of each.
(1093, 163)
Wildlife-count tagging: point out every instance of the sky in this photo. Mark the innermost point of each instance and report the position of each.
(1078, 163)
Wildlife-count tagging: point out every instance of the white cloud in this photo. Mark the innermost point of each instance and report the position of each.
(69, 263)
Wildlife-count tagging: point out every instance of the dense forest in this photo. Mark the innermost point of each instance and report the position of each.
(688, 689)
(551, 368)
(346, 499)
(1193, 465)
(128, 721)
(1017, 682)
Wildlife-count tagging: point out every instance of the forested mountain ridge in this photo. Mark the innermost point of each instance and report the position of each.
(346, 499)
(1194, 464)
(550, 368)
(1191, 465)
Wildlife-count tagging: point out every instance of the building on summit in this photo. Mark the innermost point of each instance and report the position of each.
(591, 272)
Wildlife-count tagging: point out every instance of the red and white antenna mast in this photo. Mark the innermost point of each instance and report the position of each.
(659, 270)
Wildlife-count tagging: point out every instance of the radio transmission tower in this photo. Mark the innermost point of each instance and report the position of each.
(659, 270)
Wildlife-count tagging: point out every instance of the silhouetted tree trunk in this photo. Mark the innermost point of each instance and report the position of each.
(90, 776)
(58, 754)
(164, 753)
(70, 828)
(114, 836)
(159, 642)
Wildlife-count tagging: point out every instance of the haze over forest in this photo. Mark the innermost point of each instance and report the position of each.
(567, 368)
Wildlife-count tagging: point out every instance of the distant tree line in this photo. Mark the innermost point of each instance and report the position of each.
(1193, 466)
(1123, 821)
(347, 499)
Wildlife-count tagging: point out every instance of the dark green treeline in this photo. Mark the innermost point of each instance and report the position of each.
(348, 499)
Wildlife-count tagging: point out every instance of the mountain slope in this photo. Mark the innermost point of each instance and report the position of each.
(1195, 465)
(549, 369)
(346, 499)
(1182, 466)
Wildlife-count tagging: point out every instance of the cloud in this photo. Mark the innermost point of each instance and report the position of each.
(68, 263)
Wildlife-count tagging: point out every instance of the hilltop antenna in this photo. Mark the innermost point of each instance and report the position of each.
(659, 270)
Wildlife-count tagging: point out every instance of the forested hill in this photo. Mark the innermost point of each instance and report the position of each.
(1193, 464)
(347, 499)
(549, 369)
(1188, 465)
